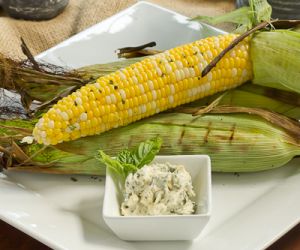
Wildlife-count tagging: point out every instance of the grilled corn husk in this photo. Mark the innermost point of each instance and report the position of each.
(235, 143)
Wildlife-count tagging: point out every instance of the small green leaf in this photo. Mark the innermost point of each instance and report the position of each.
(129, 168)
(129, 161)
(125, 156)
(112, 164)
(146, 151)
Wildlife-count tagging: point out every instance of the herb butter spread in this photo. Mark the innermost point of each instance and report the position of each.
(158, 189)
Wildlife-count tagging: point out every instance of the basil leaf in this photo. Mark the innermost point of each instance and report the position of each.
(129, 161)
(117, 166)
(126, 156)
(129, 168)
(113, 164)
(146, 151)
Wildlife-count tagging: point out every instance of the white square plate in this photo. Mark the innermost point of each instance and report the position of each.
(250, 211)
(162, 227)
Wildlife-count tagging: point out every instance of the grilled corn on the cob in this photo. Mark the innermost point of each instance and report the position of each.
(155, 84)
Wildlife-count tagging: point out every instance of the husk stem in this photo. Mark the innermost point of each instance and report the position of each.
(235, 143)
(137, 51)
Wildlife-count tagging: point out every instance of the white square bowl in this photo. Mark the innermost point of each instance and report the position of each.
(164, 227)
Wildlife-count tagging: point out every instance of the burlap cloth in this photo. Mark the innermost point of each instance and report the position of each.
(79, 15)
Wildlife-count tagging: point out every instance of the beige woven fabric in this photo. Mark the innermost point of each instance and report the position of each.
(81, 14)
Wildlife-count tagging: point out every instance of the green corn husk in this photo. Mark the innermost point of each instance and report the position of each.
(235, 143)
(245, 17)
(276, 59)
(252, 96)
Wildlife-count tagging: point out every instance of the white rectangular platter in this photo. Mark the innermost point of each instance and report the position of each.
(250, 211)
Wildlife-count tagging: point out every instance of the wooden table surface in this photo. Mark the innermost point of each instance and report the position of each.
(11, 238)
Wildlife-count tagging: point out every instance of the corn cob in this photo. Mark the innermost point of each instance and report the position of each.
(153, 85)
(253, 138)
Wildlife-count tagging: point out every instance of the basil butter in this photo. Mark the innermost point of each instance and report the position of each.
(158, 189)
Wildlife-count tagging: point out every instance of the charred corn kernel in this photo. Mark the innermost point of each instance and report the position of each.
(147, 87)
